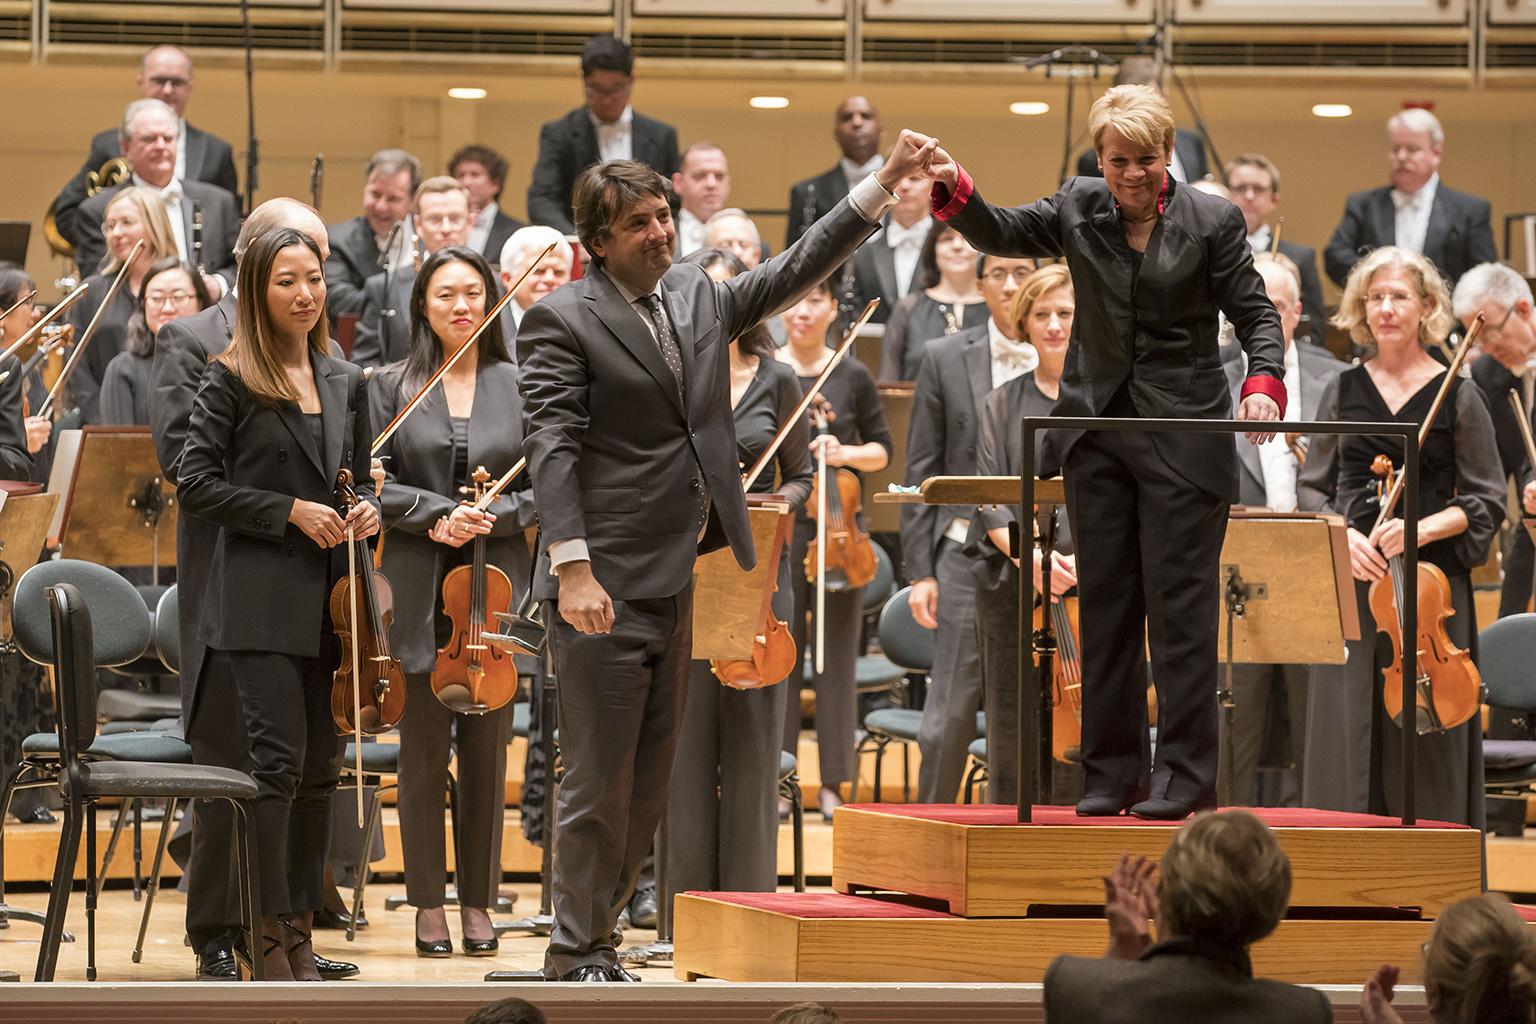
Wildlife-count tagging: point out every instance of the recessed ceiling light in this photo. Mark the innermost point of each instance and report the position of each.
(467, 92)
(1029, 108)
(1332, 109)
(769, 102)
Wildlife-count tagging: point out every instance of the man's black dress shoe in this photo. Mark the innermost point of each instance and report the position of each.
(1101, 806)
(589, 972)
(642, 908)
(217, 962)
(620, 974)
(334, 970)
(1163, 809)
(38, 816)
(338, 920)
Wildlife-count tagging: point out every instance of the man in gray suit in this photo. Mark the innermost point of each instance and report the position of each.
(957, 374)
(632, 452)
(1267, 479)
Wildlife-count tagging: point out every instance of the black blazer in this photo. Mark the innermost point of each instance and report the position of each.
(954, 381)
(85, 382)
(384, 326)
(568, 146)
(221, 226)
(354, 259)
(1459, 235)
(1495, 382)
(15, 461)
(615, 455)
(1175, 981)
(812, 199)
(420, 488)
(502, 228)
(1158, 336)
(209, 159)
(243, 466)
(1188, 146)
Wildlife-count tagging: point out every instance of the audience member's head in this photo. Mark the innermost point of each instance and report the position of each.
(624, 221)
(806, 1013)
(1282, 282)
(1480, 964)
(946, 255)
(1225, 881)
(857, 129)
(135, 213)
(703, 180)
(522, 249)
(507, 1011)
(165, 74)
(607, 76)
(999, 278)
(482, 171)
(1415, 143)
(283, 212)
(732, 230)
(1393, 292)
(1254, 181)
(441, 213)
(1503, 296)
(148, 137)
(390, 179)
(170, 290)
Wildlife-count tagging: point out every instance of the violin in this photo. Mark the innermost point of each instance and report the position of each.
(773, 648)
(368, 689)
(835, 502)
(472, 677)
(1066, 679)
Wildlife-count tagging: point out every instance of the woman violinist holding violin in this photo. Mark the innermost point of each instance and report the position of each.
(471, 419)
(1395, 303)
(856, 440)
(722, 811)
(275, 421)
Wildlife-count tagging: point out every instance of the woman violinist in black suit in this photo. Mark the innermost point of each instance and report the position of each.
(275, 420)
(474, 417)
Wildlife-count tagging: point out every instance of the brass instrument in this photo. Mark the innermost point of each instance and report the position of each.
(110, 174)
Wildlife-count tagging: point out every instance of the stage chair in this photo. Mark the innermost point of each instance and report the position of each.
(976, 775)
(54, 626)
(911, 647)
(789, 789)
(1504, 657)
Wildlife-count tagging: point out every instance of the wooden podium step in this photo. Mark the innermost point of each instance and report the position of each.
(827, 937)
(980, 862)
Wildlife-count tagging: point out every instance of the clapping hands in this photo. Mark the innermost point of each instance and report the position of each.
(1130, 906)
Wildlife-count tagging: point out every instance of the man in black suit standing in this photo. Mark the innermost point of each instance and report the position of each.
(1254, 181)
(605, 128)
(390, 179)
(958, 372)
(857, 131)
(1188, 163)
(165, 73)
(483, 171)
(632, 453)
(1416, 211)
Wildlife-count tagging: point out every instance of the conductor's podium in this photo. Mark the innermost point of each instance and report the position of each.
(956, 893)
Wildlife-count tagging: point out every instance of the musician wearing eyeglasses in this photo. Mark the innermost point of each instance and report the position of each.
(1254, 181)
(471, 419)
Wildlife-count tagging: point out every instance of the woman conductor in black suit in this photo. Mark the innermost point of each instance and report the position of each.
(1152, 262)
(472, 418)
(275, 420)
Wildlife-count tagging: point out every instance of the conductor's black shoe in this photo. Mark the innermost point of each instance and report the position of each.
(1162, 809)
(589, 972)
(334, 970)
(217, 962)
(1102, 806)
(642, 908)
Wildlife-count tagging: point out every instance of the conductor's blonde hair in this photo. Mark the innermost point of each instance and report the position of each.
(1137, 112)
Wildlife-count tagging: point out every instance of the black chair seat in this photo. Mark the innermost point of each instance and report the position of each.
(981, 723)
(876, 672)
(158, 725)
(1508, 755)
(113, 705)
(899, 723)
(978, 750)
(521, 719)
(128, 746)
(787, 765)
(378, 758)
(153, 781)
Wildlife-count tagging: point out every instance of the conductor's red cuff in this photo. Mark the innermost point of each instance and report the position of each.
(1263, 384)
(946, 205)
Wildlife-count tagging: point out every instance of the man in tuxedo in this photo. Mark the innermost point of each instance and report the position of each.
(165, 74)
(1254, 182)
(483, 171)
(211, 714)
(703, 187)
(632, 453)
(1188, 163)
(958, 372)
(440, 215)
(522, 249)
(605, 128)
(732, 230)
(885, 267)
(857, 131)
(1267, 479)
(390, 179)
(148, 142)
(1416, 211)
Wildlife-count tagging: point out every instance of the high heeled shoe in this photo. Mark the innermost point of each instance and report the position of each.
(274, 960)
(299, 946)
(432, 949)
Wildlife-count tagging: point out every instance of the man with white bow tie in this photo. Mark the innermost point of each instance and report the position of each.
(958, 372)
(1416, 211)
(148, 137)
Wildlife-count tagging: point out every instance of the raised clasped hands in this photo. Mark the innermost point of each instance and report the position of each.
(920, 155)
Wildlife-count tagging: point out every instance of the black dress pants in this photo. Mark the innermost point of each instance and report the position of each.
(216, 734)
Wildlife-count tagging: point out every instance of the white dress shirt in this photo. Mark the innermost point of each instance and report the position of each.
(1176, 168)
(1259, 241)
(615, 141)
(1275, 458)
(480, 230)
(172, 197)
(906, 246)
(1010, 358)
(856, 173)
(690, 232)
(1413, 214)
(181, 152)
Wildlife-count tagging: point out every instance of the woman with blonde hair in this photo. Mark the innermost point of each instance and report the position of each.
(134, 214)
(1152, 263)
(1395, 306)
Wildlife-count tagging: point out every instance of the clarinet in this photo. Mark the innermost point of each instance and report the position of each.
(197, 238)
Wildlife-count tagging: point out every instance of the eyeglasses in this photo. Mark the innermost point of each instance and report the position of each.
(169, 82)
(444, 220)
(1251, 190)
(1378, 299)
(1498, 328)
(998, 275)
(168, 298)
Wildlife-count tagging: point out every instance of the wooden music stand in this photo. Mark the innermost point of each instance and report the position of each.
(117, 508)
(1289, 599)
(896, 400)
(730, 604)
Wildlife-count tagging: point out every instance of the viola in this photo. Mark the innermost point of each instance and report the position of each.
(471, 676)
(773, 648)
(850, 554)
(368, 689)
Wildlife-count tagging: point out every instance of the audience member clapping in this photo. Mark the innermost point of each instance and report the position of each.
(806, 1013)
(507, 1011)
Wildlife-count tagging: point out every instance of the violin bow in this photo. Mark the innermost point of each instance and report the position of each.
(90, 328)
(1274, 242)
(765, 459)
(1451, 373)
(442, 371)
(357, 677)
(1525, 426)
(19, 303)
(47, 319)
(821, 544)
